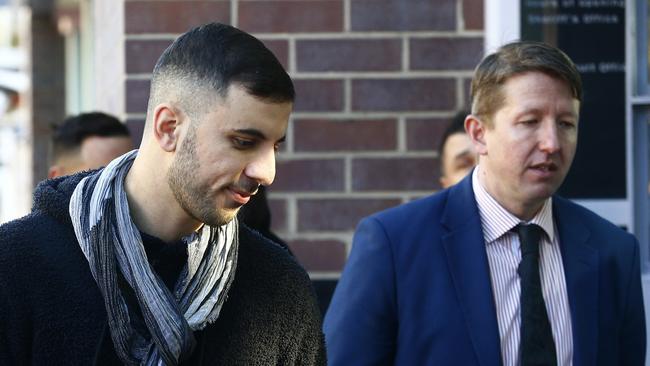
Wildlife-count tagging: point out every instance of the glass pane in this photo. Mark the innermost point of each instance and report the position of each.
(647, 49)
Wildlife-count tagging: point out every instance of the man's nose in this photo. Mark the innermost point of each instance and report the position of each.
(262, 168)
(549, 139)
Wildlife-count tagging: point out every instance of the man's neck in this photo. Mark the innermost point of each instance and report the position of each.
(153, 208)
(522, 211)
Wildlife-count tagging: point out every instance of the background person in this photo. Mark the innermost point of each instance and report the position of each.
(457, 154)
(497, 270)
(87, 141)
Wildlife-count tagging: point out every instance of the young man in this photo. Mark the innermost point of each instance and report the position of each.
(87, 141)
(457, 154)
(143, 262)
(497, 270)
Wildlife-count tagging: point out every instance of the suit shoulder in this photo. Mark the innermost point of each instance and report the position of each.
(608, 238)
(597, 224)
(429, 206)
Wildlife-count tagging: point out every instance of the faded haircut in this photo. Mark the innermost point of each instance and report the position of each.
(204, 62)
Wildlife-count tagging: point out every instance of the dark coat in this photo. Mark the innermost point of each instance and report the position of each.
(51, 310)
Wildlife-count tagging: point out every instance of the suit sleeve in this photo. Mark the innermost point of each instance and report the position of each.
(361, 322)
(633, 331)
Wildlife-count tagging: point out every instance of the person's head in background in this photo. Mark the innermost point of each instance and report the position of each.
(457, 154)
(8, 100)
(87, 141)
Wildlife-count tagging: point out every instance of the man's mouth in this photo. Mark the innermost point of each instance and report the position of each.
(239, 196)
(545, 168)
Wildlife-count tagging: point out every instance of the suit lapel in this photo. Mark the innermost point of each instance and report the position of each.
(581, 270)
(470, 273)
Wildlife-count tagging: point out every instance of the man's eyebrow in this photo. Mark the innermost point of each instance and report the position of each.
(257, 134)
(534, 110)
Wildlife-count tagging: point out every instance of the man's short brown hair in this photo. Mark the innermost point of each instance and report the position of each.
(513, 59)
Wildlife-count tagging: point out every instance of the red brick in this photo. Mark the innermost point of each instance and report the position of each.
(401, 15)
(309, 175)
(338, 214)
(173, 16)
(445, 53)
(346, 135)
(349, 55)
(319, 255)
(425, 133)
(136, 128)
(473, 14)
(278, 207)
(403, 94)
(137, 96)
(318, 95)
(398, 174)
(291, 16)
(141, 56)
(280, 49)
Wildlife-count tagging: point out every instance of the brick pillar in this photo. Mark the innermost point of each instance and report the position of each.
(48, 91)
(377, 81)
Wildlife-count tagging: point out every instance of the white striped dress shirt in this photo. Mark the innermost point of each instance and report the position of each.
(504, 255)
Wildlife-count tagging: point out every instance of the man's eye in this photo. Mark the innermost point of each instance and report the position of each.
(241, 143)
(529, 122)
(567, 124)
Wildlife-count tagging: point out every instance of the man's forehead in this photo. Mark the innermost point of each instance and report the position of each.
(522, 92)
(536, 80)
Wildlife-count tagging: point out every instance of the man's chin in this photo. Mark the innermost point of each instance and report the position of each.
(541, 192)
(228, 214)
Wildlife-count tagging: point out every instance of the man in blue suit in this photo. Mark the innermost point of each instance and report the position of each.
(496, 270)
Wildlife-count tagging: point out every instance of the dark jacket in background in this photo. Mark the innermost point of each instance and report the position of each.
(51, 311)
(256, 214)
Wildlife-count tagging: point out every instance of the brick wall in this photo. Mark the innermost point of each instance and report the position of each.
(376, 82)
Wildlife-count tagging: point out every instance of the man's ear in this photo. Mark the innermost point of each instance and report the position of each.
(55, 171)
(166, 123)
(476, 128)
(444, 182)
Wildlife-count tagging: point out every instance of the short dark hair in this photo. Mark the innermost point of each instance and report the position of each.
(456, 125)
(214, 56)
(513, 59)
(69, 135)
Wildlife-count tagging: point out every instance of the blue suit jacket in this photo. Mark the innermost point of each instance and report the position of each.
(416, 289)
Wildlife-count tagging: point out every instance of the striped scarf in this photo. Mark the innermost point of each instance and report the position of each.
(113, 247)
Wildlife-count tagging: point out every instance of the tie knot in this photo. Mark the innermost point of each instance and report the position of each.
(529, 235)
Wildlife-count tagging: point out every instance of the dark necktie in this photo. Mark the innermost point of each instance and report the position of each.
(536, 346)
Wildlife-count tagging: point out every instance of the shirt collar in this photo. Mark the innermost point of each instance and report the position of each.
(497, 221)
